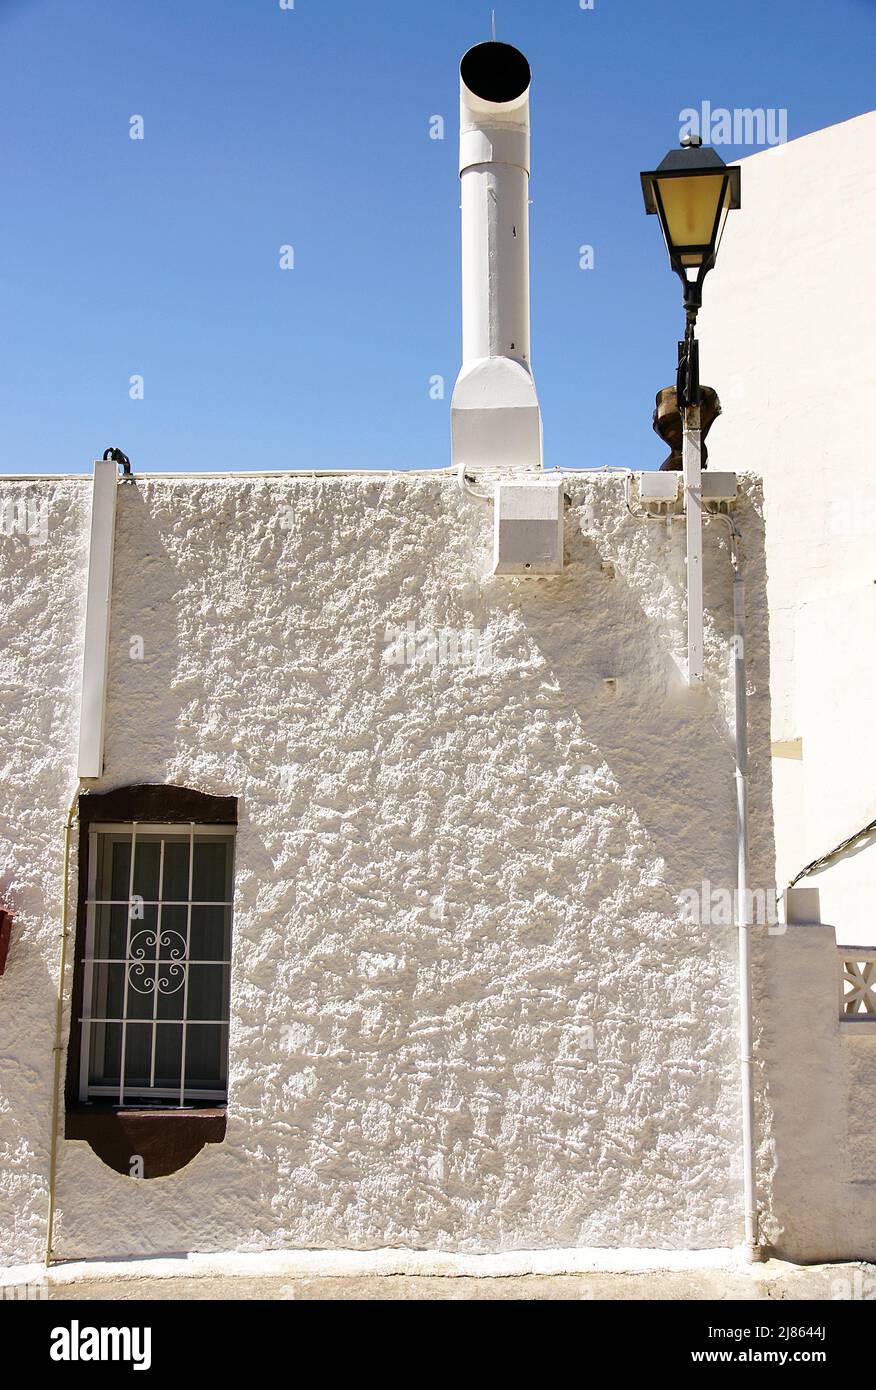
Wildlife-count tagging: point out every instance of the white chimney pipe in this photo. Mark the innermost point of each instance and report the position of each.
(495, 416)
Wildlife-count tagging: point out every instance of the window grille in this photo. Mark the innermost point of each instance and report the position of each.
(155, 1000)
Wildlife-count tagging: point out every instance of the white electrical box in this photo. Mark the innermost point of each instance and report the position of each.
(719, 487)
(659, 487)
(528, 535)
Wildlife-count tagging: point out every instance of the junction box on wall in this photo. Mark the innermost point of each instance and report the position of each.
(528, 528)
(663, 491)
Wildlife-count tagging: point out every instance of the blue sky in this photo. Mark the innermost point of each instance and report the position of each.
(309, 127)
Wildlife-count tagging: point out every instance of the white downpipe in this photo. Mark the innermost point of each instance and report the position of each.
(58, 1049)
(743, 907)
(752, 1248)
(693, 509)
(495, 416)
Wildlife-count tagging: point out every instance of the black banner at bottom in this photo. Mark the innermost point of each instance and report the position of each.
(61, 1336)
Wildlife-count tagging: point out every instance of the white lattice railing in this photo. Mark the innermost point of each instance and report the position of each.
(857, 984)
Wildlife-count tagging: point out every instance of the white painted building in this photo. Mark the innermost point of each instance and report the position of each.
(379, 927)
(788, 332)
(465, 1011)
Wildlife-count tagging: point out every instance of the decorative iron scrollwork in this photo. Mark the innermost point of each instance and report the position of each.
(150, 970)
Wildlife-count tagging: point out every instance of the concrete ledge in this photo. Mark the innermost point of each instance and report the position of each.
(427, 1275)
(364, 1263)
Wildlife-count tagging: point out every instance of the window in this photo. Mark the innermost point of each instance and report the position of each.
(155, 990)
(147, 1063)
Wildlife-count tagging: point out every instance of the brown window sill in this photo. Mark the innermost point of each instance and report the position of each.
(163, 1140)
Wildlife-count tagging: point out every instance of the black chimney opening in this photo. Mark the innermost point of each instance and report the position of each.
(495, 72)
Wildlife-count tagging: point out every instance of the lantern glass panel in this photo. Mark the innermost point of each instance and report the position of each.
(691, 206)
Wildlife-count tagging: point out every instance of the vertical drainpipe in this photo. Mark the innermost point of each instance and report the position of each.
(58, 1049)
(752, 1247)
(693, 512)
(743, 906)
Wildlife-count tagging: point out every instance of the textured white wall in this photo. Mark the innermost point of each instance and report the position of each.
(788, 332)
(446, 876)
(42, 610)
(820, 1097)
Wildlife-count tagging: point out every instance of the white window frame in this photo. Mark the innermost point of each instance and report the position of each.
(178, 1096)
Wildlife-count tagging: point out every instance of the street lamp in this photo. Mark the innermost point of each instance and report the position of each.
(691, 192)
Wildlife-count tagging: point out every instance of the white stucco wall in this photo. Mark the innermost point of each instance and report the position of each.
(788, 332)
(42, 610)
(467, 1013)
(820, 1076)
(446, 876)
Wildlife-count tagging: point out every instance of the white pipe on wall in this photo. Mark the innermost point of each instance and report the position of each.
(58, 1049)
(752, 1248)
(495, 416)
(743, 909)
(693, 510)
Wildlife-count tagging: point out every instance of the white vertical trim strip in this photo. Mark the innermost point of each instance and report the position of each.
(97, 618)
